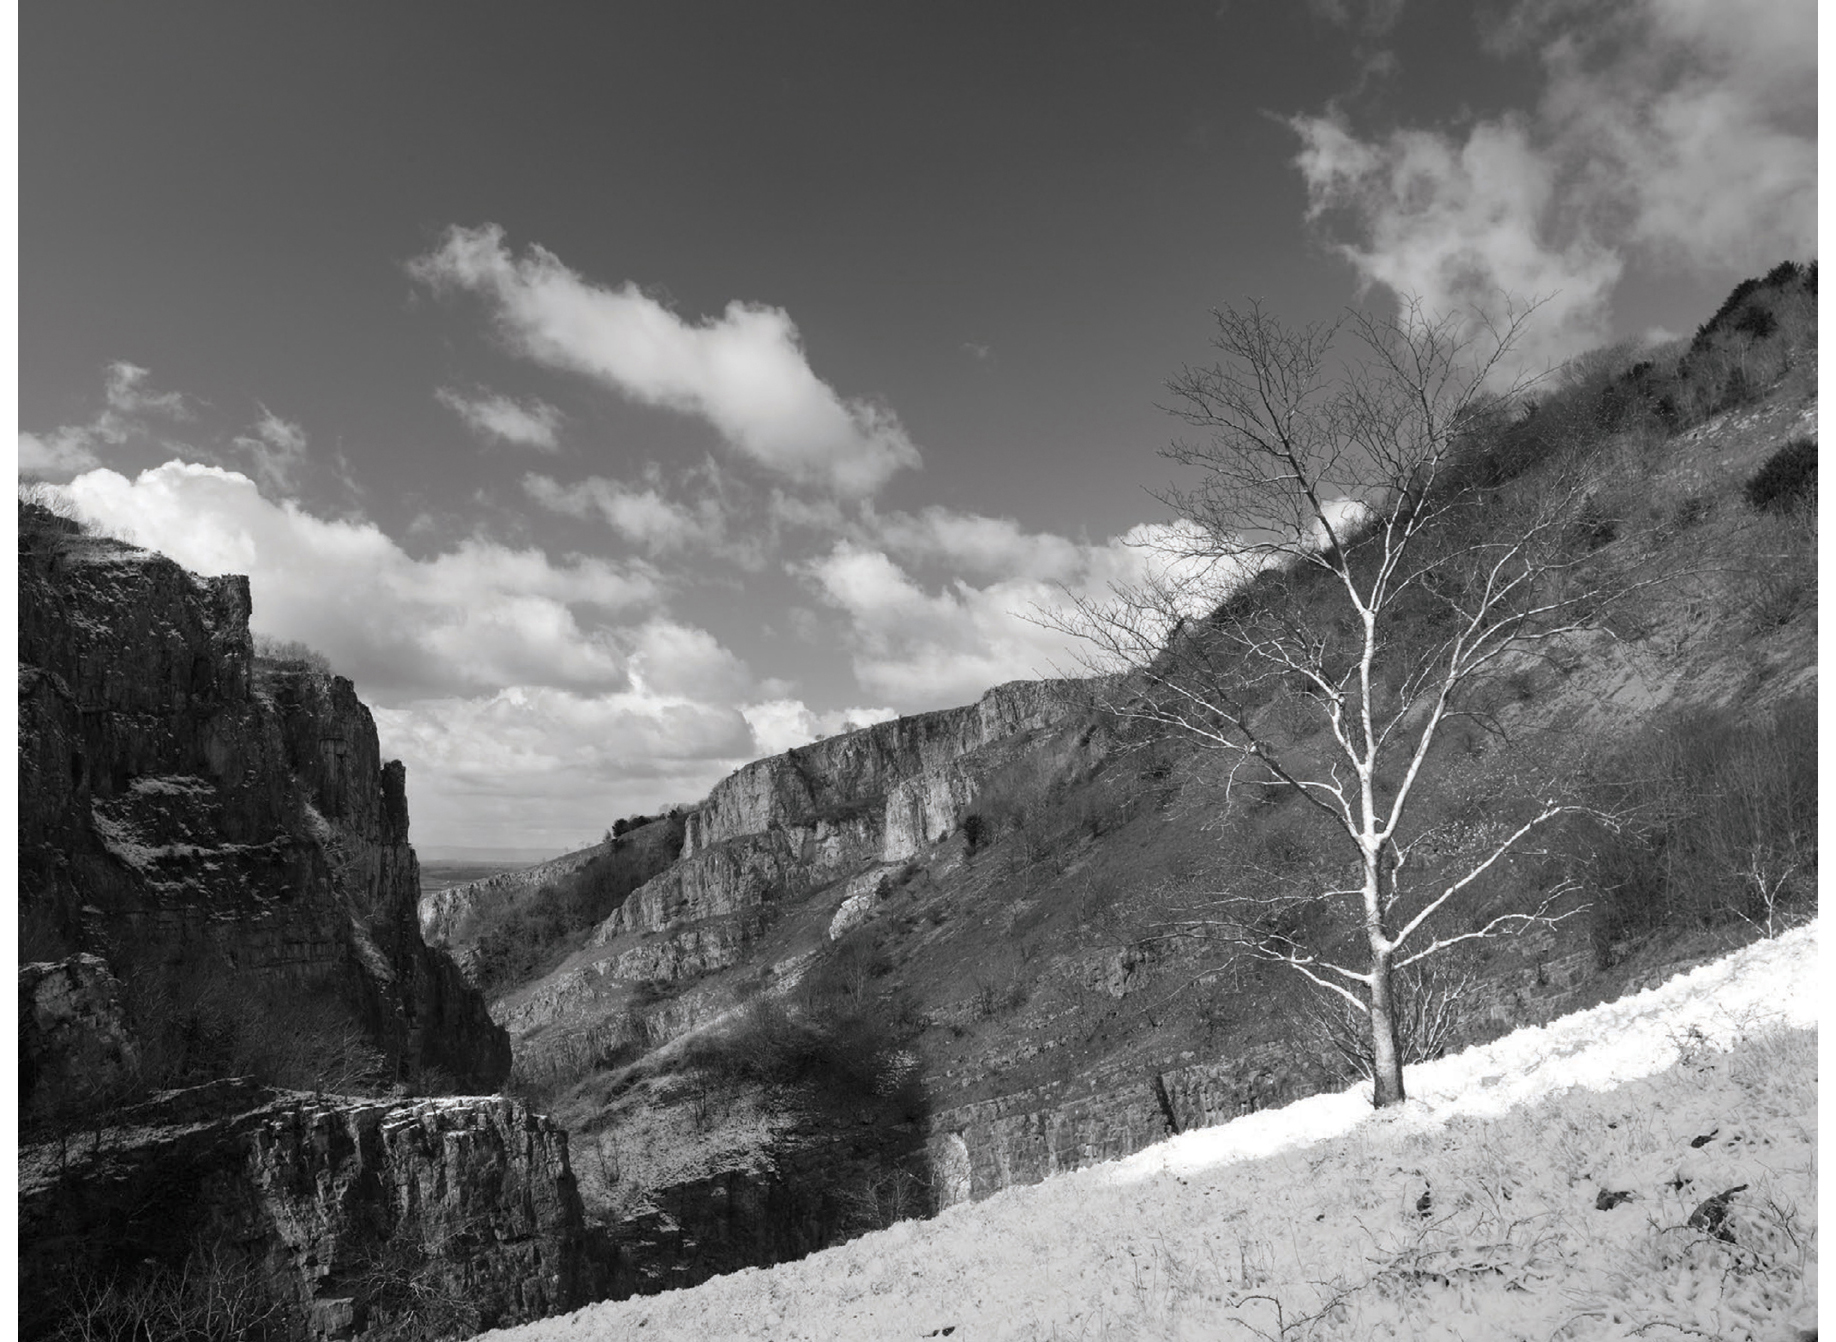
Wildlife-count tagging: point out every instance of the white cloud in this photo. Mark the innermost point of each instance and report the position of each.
(974, 543)
(922, 647)
(127, 401)
(277, 448)
(62, 451)
(532, 700)
(1667, 129)
(477, 617)
(527, 424)
(551, 767)
(127, 393)
(1461, 226)
(643, 516)
(782, 724)
(744, 372)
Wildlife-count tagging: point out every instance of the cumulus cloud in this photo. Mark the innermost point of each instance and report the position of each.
(744, 372)
(551, 767)
(527, 424)
(1461, 226)
(477, 617)
(782, 724)
(1667, 129)
(925, 647)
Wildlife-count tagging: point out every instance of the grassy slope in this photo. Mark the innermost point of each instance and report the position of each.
(1473, 1211)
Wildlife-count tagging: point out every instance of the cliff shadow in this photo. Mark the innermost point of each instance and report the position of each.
(799, 1123)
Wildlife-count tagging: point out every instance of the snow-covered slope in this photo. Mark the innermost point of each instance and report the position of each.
(1478, 1210)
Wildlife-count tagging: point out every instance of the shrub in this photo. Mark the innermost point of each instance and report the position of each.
(214, 1295)
(1788, 477)
(1719, 825)
(1428, 1003)
(291, 653)
(517, 944)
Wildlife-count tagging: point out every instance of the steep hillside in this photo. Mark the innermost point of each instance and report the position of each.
(225, 1000)
(198, 817)
(917, 964)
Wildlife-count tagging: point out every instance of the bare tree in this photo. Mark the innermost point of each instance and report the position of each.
(1339, 561)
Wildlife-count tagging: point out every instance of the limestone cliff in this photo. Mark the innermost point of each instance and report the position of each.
(896, 770)
(336, 1212)
(187, 812)
(799, 833)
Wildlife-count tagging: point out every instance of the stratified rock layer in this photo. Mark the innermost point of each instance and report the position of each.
(185, 809)
(330, 1205)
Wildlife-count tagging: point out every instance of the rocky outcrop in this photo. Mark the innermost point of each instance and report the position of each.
(186, 809)
(872, 771)
(333, 1209)
(797, 823)
(976, 1150)
(72, 1031)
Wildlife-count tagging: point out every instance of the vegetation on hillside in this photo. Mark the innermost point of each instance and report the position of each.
(521, 941)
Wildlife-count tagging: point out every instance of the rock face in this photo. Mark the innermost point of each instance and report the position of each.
(332, 1208)
(901, 771)
(188, 810)
(794, 824)
(71, 1027)
(976, 1150)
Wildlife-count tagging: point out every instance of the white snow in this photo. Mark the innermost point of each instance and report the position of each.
(1309, 1221)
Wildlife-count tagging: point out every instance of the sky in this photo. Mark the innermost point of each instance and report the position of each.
(621, 393)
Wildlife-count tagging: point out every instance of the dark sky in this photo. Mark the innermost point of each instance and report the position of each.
(999, 228)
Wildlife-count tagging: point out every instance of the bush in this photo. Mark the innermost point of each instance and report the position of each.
(214, 1295)
(1788, 477)
(291, 653)
(520, 943)
(1719, 825)
(1427, 1012)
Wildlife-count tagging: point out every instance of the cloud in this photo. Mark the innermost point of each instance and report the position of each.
(277, 449)
(973, 543)
(475, 618)
(1667, 130)
(127, 401)
(979, 351)
(552, 767)
(62, 451)
(533, 700)
(782, 724)
(1461, 226)
(533, 424)
(924, 648)
(127, 394)
(1371, 18)
(743, 372)
(642, 516)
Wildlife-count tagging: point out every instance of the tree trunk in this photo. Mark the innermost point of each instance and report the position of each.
(1386, 1057)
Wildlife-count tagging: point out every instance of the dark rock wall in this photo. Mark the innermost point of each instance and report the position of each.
(181, 806)
(323, 1200)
